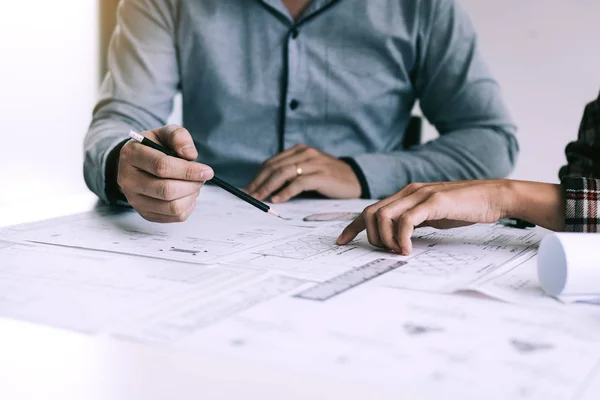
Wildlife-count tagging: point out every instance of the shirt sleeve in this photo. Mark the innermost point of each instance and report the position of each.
(138, 90)
(581, 176)
(582, 212)
(459, 96)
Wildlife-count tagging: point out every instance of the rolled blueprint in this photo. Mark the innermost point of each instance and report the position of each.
(568, 264)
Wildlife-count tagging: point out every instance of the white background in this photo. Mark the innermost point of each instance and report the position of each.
(546, 56)
(48, 80)
(545, 53)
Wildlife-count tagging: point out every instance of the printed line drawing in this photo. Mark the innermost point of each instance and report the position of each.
(302, 248)
(418, 330)
(434, 262)
(528, 347)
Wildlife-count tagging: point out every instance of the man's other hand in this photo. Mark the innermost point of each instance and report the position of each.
(303, 168)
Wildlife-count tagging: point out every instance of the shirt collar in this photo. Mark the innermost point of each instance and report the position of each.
(314, 7)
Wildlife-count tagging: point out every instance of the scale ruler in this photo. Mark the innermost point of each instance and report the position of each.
(350, 279)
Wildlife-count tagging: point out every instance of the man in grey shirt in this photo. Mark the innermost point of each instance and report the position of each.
(289, 96)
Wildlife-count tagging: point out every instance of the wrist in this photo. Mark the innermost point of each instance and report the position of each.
(365, 192)
(112, 188)
(512, 201)
(542, 204)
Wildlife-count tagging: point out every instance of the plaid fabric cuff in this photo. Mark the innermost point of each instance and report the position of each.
(582, 212)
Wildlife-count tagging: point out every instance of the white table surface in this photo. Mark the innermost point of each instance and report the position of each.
(44, 363)
(39, 362)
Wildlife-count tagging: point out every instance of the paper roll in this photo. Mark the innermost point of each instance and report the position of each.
(569, 264)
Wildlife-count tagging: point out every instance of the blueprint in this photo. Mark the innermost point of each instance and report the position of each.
(221, 226)
(442, 261)
(238, 282)
(396, 339)
(198, 240)
(226, 231)
(516, 283)
(88, 292)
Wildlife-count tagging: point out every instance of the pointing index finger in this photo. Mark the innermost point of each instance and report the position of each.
(352, 230)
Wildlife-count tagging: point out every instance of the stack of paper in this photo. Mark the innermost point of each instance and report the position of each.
(232, 280)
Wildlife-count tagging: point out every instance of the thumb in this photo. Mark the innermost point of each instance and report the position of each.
(179, 140)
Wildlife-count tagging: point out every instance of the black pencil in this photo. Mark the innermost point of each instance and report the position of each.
(217, 181)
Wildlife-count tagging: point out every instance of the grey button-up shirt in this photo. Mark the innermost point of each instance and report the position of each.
(344, 78)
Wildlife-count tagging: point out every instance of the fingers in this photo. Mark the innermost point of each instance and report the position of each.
(370, 217)
(380, 218)
(301, 184)
(166, 219)
(298, 158)
(406, 225)
(352, 230)
(385, 227)
(281, 176)
(390, 223)
(379, 223)
(287, 160)
(369, 220)
(297, 149)
(163, 211)
(274, 180)
(434, 206)
(290, 164)
(177, 139)
(161, 189)
(162, 166)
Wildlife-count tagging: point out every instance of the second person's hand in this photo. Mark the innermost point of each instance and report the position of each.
(391, 222)
(162, 188)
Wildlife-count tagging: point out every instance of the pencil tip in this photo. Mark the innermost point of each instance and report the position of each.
(275, 213)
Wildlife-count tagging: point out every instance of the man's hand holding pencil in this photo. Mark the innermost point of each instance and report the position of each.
(165, 183)
(162, 188)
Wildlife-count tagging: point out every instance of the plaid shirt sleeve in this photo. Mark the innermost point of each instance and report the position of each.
(581, 177)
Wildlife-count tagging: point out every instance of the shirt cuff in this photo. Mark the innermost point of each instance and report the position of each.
(582, 213)
(365, 192)
(111, 172)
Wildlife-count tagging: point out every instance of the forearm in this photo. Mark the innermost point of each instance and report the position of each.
(138, 90)
(460, 98)
(461, 155)
(108, 129)
(98, 144)
(542, 204)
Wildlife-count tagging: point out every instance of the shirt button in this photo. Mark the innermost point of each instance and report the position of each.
(294, 104)
(295, 33)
